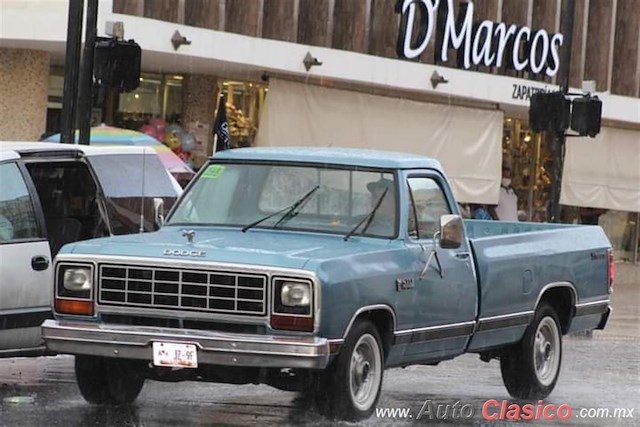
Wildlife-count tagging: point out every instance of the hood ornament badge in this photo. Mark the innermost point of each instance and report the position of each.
(189, 234)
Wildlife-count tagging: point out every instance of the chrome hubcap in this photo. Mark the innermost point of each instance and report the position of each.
(546, 351)
(365, 372)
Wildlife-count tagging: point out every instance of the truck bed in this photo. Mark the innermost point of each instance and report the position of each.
(517, 262)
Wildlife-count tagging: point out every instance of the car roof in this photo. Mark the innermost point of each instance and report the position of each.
(336, 156)
(88, 150)
(8, 155)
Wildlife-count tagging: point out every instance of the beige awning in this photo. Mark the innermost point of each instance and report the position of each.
(466, 141)
(603, 172)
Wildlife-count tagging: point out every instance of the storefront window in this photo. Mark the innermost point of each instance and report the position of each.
(158, 96)
(244, 103)
(622, 230)
(529, 155)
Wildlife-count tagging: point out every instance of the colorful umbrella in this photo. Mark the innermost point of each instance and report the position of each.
(108, 135)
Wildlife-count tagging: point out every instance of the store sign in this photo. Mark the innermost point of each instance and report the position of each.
(525, 92)
(486, 43)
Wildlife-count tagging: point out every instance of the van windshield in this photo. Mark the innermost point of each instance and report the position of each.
(240, 194)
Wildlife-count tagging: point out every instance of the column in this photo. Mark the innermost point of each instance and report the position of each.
(199, 96)
(24, 83)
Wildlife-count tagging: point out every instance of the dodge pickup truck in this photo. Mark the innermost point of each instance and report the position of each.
(315, 269)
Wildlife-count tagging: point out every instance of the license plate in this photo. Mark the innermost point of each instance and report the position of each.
(175, 355)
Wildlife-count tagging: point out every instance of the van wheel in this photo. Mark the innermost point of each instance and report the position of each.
(350, 388)
(107, 381)
(530, 369)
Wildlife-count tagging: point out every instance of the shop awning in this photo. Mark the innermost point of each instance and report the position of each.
(466, 141)
(603, 172)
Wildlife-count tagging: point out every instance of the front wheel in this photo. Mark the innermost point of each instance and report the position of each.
(351, 387)
(530, 369)
(107, 381)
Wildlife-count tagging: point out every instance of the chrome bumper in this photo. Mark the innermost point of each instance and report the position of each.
(217, 348)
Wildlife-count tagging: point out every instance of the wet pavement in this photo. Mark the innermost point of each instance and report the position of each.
(596, 373)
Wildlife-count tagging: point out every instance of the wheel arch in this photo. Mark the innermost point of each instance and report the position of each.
(383, 318)
(562, 297)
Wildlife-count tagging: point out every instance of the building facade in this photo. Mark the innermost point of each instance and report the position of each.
(442, 78)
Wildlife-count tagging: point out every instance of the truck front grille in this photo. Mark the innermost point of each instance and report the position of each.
(183, 289)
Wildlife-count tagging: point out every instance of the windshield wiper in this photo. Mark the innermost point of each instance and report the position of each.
(367, 218)
(289, 211)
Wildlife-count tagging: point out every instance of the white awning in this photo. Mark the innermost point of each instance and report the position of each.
(466, 141)
(603, 172)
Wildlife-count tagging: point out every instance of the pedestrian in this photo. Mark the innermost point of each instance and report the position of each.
(480, 212)
(507, 207)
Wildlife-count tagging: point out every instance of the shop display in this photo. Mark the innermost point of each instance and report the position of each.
(529, 156)
(244, 102)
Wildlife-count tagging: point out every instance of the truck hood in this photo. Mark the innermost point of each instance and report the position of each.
(283, 249)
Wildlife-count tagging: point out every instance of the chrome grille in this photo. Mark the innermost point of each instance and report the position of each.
(183, 289)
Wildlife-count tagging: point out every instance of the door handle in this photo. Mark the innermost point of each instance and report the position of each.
(462, 255)
(39, 263)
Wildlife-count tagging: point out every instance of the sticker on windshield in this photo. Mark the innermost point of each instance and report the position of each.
(213, 172)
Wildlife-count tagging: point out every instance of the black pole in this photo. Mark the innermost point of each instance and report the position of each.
(558, 147)
(85, 97)
(72, 64)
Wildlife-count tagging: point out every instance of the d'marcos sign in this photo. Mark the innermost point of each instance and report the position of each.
(486, 43)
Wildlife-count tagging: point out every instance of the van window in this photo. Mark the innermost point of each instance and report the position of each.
(17, 216)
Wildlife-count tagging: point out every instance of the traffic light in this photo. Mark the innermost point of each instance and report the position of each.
(586, 116)
(117, 64)
(549, 111)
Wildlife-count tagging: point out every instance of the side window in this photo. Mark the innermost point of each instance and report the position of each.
(427, 203)
(17, 217)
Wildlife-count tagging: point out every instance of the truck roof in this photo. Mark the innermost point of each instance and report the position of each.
(336, 156)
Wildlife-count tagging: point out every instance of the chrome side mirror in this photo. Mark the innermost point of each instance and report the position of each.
(158, 211)
(450, 231)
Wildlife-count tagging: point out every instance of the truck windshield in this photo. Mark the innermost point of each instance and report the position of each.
(239, 195)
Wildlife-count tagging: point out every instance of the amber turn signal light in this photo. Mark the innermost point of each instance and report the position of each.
(68, 306)
(292, 323)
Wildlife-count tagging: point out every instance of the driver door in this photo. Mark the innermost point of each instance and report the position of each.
(444, 279)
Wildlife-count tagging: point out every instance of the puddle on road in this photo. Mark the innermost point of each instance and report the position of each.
(19, 400)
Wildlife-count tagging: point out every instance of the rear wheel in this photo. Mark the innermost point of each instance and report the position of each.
(350, 389)
(107, 381)
(530, 369)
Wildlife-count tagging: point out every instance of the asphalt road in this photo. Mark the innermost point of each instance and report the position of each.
(599, 372)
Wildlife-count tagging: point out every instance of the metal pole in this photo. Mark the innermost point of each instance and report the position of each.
(72, 60)
(636, 241)
(558, 147)
(85, 97)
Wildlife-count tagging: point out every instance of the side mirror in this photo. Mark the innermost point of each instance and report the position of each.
(450, 231)
(158, 212)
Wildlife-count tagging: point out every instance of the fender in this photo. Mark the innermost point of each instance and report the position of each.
(364, 310)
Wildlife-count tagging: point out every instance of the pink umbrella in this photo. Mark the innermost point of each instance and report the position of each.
(108, 135)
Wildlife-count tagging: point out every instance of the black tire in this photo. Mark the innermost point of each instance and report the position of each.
(530, 369)
(349, 392)
(107, 381)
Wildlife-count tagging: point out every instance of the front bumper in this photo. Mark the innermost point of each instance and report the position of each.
(216, 348)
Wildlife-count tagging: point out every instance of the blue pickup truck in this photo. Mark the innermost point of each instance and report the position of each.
(315, 269)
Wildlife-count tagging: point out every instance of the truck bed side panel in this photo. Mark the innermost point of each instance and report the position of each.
(515, 269)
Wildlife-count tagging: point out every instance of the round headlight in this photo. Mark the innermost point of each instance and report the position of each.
(295, 294)
(77, 279)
